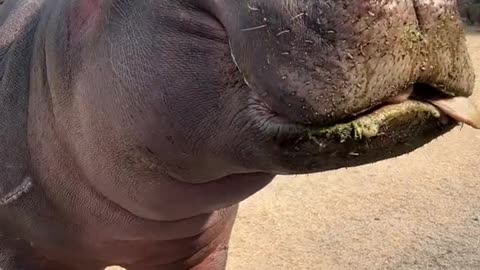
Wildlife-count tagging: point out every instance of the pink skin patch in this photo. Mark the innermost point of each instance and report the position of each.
(84, 17)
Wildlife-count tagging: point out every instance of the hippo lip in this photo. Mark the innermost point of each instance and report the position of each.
(400, 125)
(430, 103)
(388, 116)
(437, 104)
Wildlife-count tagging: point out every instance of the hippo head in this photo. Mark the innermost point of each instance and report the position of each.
(201, 90)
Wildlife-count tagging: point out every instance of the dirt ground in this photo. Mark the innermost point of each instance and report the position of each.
(419, 211)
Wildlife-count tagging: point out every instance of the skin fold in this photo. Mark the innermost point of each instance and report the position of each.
(137, 127)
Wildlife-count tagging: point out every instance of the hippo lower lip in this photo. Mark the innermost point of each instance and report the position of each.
(407, 105)
(369, 125)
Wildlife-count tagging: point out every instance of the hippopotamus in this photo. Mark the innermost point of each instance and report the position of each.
(130, 131)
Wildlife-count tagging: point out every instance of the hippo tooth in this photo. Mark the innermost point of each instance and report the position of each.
(461, 109)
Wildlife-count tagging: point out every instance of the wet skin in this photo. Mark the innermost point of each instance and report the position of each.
(149, 121)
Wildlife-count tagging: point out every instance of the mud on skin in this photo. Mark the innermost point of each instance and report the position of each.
(143, 124)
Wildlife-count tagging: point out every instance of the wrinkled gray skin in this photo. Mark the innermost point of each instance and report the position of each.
(131, 130)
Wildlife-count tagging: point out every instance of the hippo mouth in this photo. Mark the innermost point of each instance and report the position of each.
(396, 127)
(429, 104)
(324, 76)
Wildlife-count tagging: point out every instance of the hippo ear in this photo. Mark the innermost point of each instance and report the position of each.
(15, 21)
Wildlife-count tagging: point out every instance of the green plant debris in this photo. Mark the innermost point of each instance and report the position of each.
(369, 126)
(424, 41)
(356, 130)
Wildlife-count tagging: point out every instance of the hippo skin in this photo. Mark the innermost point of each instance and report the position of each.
(131, 130)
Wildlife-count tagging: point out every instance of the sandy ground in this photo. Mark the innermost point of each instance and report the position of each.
(419, 211)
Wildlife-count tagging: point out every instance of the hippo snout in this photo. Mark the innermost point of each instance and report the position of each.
(335, 74)
(319, 62)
